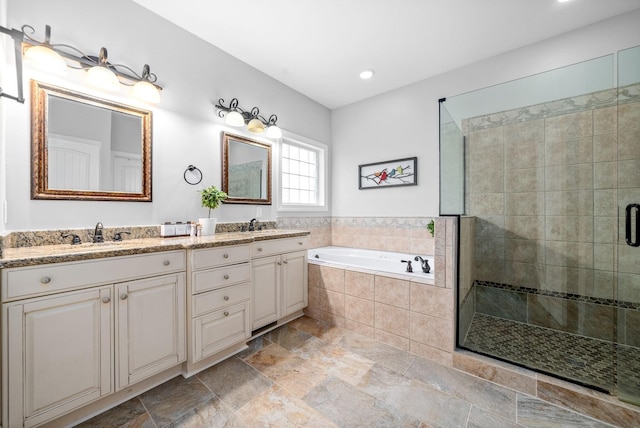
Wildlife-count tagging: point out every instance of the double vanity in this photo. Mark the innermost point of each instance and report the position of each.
(87, 326)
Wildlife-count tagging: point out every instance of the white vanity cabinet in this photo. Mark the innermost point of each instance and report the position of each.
(279, 270)
(220, 296)
(94, 327)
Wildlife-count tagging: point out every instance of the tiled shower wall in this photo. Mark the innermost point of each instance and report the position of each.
(543, 182)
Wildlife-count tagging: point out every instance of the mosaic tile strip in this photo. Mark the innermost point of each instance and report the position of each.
(558, 294)
(303, 222)
(595, 100)
(388, 222)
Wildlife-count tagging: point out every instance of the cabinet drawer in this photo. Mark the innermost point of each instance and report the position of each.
(53, 278)
(212, 257)
(279, 246)
(220, 330)
(221, 277)
(207, 302)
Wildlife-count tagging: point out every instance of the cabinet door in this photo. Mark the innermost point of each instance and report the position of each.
(266, 291)
(219, 330)
(150, 323)
(295, 295)
(59, 354)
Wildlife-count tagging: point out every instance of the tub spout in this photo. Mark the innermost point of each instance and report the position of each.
(408, 262)
(424, 264)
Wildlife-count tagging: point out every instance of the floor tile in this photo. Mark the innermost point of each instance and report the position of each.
(488, 396)
(289, 371)
(383, 354)
(479, 418)
(171, 400)
(347, 406)
(234, 381)
(415, 398)
(212, 413)
(320, 329)
(537, 413)
(276, 408)
(125, 413)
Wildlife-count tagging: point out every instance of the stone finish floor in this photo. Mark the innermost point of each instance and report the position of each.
(311, 374)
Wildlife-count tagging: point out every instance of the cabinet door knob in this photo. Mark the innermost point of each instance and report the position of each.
(285, 262)
(259, 249)
(226, 297)
(225, 255)
(299, 242)
(279, 264)
(226, 277)
(167, 262)
(45, 280)
(123, 296)
(226, 314)
(106, 299)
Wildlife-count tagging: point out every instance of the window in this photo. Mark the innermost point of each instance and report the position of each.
(301, 175)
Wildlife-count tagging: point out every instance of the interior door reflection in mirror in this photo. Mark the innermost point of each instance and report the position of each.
(90, 149)
(246, 170)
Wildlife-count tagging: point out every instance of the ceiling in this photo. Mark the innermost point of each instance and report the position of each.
(319, 47)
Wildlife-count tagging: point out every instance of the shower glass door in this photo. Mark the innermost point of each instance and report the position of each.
(628, 240)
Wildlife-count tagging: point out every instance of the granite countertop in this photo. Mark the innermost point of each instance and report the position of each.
(44, 254)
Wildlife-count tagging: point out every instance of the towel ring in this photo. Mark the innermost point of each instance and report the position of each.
(192, 168)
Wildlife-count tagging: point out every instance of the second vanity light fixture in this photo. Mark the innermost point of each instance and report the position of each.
(235, 116)
(57, 58)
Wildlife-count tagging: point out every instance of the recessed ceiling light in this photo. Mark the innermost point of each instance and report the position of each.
(367, 74)
(563, 1)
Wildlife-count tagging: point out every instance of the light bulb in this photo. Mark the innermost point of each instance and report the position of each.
(103, 78)
(367, 74)
(146, 92)
(255, 126)
(274, 132)
(233, 118)
(47, 59)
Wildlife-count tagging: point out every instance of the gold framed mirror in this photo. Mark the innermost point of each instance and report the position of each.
(246, 170)
(87, 148)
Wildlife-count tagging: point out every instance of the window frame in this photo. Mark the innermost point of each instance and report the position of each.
(322, 153)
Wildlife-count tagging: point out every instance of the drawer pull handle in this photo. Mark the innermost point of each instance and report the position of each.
(226, 297)
(285, 262)
(226, 314)
(279, 264)
(226, 277)
(106, 299)
(123, 296)
(259, 249)
(299, 242)
(167, 262)
(45, 280)
(225, 255)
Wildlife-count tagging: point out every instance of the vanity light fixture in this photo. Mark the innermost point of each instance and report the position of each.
(234, 115)
(57, 58)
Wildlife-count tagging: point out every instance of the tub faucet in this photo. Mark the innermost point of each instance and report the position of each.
(97, 233)
(424, 264)
(252, 225)
(408, 262)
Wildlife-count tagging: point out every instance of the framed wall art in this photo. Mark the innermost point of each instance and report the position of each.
(399, 172)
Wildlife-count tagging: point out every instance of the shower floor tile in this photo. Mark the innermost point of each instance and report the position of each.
(582, 359)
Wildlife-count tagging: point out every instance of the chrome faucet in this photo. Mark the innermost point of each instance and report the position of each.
(424, 264)
(252, 225)
(97, 234)
(409, 267)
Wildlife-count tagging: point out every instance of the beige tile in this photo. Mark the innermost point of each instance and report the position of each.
(570, 202)
(524, 227)
(335, 303)
(569, 126)
(359, 284)
(569, 228)
(524, 250)
(569, 177)
(605, 202)
(629, 174)
(430, 353)
(487, 204)
(628, 117)
(603, 257)
(391, 291)
(359, 310)
(314, 275)
(392, 339)
(484, 156)
(432, 331)
(605, 120)
(605, 175)
(317, 298)
(629, 287)
(569, 152)
(524, 133)
(603, 285)
(434, 301)
(526, 156)
(628, 259)
(485, 137)
(392, 319)
(362, 329)
(524, 180)
(524, 204)
(524, 274)
(569, 280)
(628, 147)
(333, 319)
(490, 270)
(572, 254)
(331, 279)
(605, 147)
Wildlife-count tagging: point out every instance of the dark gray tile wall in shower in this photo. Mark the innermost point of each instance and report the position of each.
(501, 303)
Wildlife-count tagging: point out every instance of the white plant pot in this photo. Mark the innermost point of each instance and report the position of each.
(208, 226)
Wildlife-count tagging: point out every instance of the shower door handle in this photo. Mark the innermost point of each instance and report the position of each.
(630, 208)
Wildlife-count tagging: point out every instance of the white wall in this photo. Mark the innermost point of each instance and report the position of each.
(404, 122)
(186, 130)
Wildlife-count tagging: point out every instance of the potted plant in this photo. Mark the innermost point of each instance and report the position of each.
(211, 198)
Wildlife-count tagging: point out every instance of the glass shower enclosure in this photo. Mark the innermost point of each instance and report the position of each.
(545, 174)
